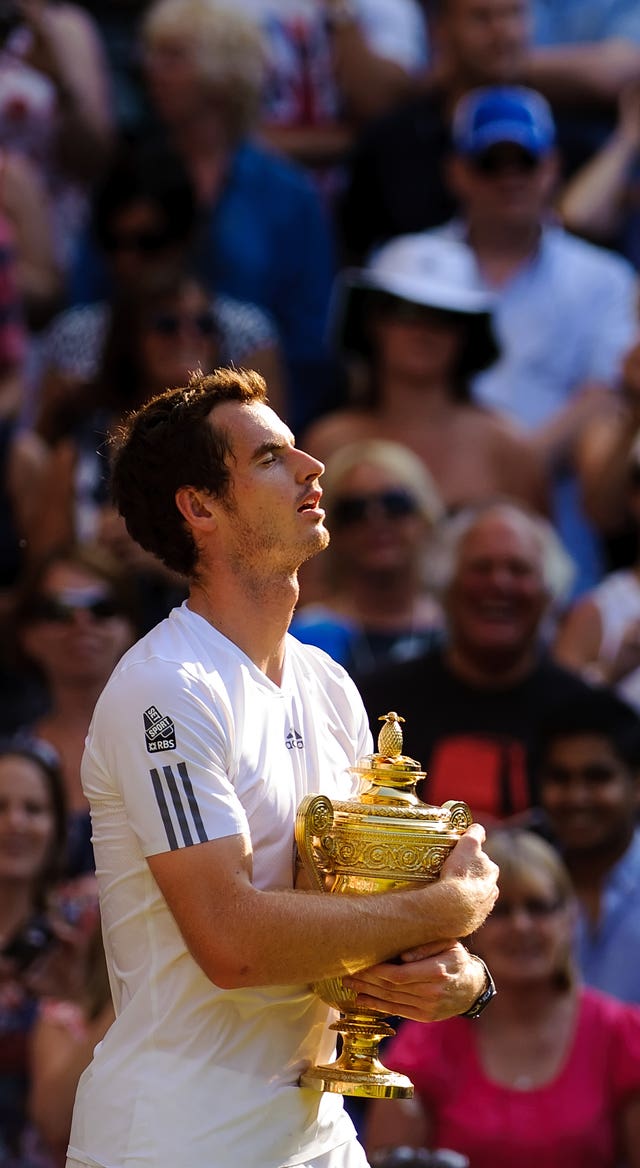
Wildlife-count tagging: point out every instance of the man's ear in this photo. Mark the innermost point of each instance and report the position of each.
(197, 507)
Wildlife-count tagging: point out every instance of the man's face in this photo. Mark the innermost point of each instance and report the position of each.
(485, 41)
(497, 596)
(271, 521)
(504, 184)
(588, 792)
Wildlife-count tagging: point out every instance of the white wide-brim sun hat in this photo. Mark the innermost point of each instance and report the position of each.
(427, 269)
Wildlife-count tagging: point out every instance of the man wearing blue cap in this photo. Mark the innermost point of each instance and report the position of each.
(565, 310)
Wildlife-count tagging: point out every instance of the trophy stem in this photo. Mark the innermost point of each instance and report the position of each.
(358, 1071)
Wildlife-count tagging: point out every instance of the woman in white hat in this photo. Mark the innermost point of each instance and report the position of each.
(414, 326)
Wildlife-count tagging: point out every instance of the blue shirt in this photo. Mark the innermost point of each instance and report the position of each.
(566, 318)
(609, 955)
(567, 22)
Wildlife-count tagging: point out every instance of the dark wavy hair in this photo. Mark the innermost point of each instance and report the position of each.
(167, 444)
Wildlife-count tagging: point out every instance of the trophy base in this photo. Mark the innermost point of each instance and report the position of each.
(378, 1083)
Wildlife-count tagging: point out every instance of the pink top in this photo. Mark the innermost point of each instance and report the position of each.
(569, 1123)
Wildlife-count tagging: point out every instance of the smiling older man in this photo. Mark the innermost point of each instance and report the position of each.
(471, 708)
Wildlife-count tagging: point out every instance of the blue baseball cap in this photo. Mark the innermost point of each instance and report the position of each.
(486, 117)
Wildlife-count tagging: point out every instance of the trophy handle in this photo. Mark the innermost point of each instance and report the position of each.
(314, 818)
(461, 817)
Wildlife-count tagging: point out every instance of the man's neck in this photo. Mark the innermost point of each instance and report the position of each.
(254, 614)
(490, 672)
(589, 868)
(501, 249)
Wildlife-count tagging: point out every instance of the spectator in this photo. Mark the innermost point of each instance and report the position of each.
(54, 103)
(156, 337)
(396, 175)
(74, 619)
(265, 237)
(600, 634)
(23, 457)
(548, 287)
(24, 203)
(145, 220)
(550, 1073)
(381, 506)
(419, 325)
(334, 63)
(584, 50)
(472, 706)
(589, 766)
(42, 925)
(64, 1037)
(601, 200)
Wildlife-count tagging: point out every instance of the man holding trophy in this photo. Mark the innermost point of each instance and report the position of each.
(208, 736)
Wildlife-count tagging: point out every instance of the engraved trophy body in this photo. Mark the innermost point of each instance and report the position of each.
(384, 839)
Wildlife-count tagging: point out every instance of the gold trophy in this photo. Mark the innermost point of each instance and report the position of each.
(384, 839)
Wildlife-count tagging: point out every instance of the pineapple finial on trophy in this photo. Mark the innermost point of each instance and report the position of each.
(390, 736)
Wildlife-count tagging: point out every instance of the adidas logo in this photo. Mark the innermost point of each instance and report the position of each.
(294, 741)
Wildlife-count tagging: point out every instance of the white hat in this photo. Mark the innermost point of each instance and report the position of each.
(427, 268)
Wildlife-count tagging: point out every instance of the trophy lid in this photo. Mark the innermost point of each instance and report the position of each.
(389, 767)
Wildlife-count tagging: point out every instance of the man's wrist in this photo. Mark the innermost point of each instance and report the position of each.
(487, 992)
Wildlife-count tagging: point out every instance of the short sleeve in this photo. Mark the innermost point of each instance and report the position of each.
(161, 746)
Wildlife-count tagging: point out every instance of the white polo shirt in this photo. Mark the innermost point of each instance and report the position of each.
(191, 742)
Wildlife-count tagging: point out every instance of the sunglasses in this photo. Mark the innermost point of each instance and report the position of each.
(143, 242)
(350, 510)
(537, 909)
(169, 324)
(494, 162)
(54, 610)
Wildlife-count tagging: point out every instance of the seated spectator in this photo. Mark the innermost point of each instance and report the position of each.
(144, 223)
(588, 755)
(600, 634)
(23, 457)
(42, 925)
(265, 237)
(550, 1072)
(601, 199)
(555, 372)
(74, 619)
(419, 327)
(24, 203)
(396, 175)
(55, 104)
(472, 706)
(381, 506)
(585, 51)
(155, 337)
(332, 63)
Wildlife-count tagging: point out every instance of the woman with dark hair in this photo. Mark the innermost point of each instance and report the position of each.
(549, 1074)
(414, 327)
(145, 220)
(74, 618)
(158, 335)
(42, 924)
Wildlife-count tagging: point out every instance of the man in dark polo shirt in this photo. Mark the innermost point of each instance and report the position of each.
(472, 707)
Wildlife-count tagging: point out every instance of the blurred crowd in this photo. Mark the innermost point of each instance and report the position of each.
(420, 221)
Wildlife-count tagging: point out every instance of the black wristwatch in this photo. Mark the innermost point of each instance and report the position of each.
(483, 999)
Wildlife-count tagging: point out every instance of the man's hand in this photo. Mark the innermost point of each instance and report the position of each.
(473, 878)
(431, 984)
